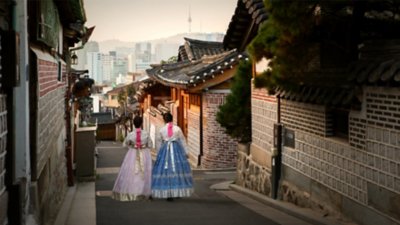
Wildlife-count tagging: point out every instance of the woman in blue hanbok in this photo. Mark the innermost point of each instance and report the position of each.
(172, 175)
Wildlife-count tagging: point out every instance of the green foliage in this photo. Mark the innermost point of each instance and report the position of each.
(121, 97)
(172, 59)
(285, 39)
(310, 35)
(131, 91)
(235, 113)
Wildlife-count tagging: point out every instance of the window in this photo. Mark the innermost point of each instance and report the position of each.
(59, 75)
(339, 119)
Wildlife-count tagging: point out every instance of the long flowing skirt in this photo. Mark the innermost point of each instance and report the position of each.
(172, 175)
(134, 177)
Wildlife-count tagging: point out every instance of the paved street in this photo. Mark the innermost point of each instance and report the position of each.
(206, 206)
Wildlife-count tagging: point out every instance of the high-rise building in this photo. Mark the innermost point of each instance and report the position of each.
(132, 63)
(143, 51)
(95, 66)
(164, 51)
(106, 63)
(91, 46)
(119, 65)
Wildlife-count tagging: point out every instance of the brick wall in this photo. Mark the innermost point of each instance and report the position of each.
(219, 150)
(48, 77)
(263, 117)
(50, 156)
(306, 117)
(363, 172)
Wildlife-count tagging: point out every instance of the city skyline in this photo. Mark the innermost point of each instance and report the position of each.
(135, 21)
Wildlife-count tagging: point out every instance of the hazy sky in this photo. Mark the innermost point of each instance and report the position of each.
(137, 20)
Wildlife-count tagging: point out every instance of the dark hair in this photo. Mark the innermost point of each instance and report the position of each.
(137, 121)
(167, 117)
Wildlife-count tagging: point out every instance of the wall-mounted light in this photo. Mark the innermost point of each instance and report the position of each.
(74, 59)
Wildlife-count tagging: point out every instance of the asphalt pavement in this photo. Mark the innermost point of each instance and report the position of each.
(216, 201)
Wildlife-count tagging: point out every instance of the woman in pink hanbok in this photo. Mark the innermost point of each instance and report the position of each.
(134, 177)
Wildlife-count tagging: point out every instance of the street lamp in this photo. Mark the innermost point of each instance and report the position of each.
(74, 59)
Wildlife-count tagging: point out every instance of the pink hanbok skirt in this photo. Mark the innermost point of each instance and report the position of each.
(134, 178)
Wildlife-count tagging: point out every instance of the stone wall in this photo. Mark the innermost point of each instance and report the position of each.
(219, 150)
(358, 177)
(361, 174)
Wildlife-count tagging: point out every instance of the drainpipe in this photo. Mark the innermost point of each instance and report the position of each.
(276, 159)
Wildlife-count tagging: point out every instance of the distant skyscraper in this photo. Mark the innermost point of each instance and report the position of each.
(131, 63)
(95, 66)
(164, 51)
(107, 73)
(143, 51)
(119, 65)
(113, 53)
(91, 46)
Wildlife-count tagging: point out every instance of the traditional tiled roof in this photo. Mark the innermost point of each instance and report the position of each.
(249, 14)
(379, 64)
(194, 49)
(377, 69)
(320, 95)
(144, 85)
(187, 74)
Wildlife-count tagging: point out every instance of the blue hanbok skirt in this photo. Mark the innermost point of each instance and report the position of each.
(171, 175)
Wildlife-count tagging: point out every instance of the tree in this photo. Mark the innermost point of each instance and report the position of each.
(172, 59)
(235, 113)
(121, 97)
(131, 93)
(305, 36)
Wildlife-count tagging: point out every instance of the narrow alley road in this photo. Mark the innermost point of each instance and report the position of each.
(206, 206)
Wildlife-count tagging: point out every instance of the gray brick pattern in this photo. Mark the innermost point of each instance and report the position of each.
(383, 108)
(305, 117)
(357, 132)
(332, 163)
(371, 156)
(3, 141)
(264, 115)
(50, 124)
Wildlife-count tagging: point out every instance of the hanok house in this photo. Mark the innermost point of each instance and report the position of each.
(197, 85)
(339, 149)
(35, 59)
